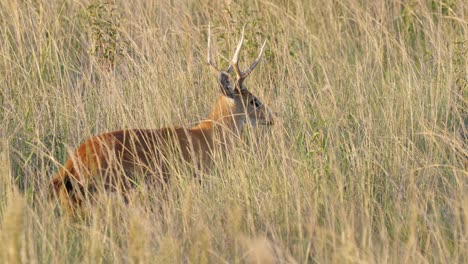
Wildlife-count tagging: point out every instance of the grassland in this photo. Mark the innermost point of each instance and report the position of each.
(368, 163)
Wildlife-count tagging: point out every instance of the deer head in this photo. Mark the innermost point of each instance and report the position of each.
(244, 106)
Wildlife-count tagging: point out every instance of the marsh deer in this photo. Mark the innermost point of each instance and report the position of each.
(113, 160)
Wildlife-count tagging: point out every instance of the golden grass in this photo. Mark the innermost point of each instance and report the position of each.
(368, 163)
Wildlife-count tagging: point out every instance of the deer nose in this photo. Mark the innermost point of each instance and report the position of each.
(273, 117)
(270, 121)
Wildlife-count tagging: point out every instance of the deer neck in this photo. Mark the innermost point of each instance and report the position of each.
(224, 123)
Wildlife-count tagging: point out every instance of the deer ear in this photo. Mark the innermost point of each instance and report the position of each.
(226, 84)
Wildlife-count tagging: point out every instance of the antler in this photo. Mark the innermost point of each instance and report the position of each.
(235, 60)
(235, 57)
(210, 59)
(256, 61)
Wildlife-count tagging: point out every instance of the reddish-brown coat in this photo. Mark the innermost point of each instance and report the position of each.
(117, 160)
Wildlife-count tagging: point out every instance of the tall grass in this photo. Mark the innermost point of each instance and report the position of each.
(367, 164)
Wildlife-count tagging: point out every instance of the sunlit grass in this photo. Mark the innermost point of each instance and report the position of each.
(366, 164)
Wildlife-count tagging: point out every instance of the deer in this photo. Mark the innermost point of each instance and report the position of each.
(114, 160)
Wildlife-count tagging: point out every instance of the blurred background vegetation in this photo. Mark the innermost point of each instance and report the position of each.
(367, 164)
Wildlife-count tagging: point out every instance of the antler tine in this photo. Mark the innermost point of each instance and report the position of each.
(257, 60)
(235, 58)
(210, 59)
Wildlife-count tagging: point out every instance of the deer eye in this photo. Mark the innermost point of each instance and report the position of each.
(254, 102)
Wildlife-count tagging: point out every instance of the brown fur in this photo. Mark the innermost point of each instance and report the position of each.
(114, 161)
